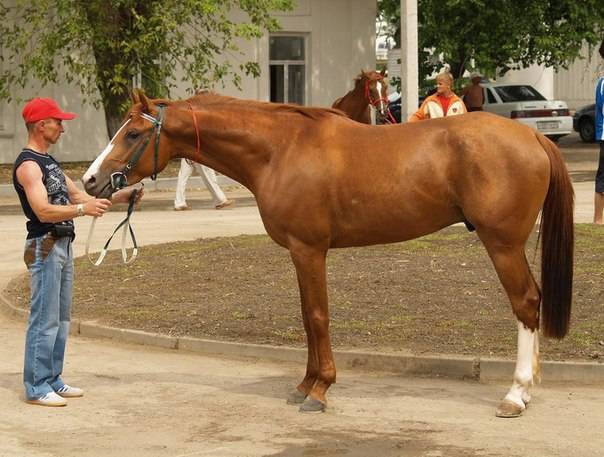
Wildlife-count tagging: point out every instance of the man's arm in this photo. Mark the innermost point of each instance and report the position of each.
(29, 176)
(76, 195)
(123, 195)
(79, 196)
(420, 114)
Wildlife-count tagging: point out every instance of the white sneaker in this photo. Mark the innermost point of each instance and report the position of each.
(49, 399)
(70, 392)
(224, 204)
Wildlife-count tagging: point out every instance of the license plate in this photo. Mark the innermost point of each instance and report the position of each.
(548, 125)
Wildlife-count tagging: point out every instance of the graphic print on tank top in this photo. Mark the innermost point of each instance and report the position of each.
(56, 186)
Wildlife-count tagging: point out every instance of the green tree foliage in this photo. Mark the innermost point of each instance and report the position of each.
(103, 46)
(500, 35)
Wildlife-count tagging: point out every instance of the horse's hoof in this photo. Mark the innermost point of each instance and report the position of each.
(310, 405)
(296, 397)
(508, 409)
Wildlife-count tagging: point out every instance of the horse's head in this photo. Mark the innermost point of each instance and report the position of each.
(376, 93)
(134, 153)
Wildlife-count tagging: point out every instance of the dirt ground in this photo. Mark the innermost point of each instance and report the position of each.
(437, 294)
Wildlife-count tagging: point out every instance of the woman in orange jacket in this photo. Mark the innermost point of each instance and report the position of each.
(441, 104)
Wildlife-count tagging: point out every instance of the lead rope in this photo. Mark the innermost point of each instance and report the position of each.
(125, 225)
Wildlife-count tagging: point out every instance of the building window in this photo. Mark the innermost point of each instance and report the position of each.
(287, 61)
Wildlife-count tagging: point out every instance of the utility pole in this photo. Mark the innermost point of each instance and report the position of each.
(409, 58)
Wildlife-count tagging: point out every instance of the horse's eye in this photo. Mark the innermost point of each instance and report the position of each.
(132, 135)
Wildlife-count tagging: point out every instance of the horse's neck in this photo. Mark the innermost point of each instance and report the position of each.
(355, 103)
(228, 145)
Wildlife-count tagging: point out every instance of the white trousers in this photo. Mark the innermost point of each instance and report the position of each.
(207, 175)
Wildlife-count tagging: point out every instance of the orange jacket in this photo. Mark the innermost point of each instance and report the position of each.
(431, 108)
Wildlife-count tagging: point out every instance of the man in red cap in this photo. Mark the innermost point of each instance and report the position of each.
(50, 201)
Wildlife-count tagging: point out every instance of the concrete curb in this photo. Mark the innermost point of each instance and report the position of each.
(457, 367)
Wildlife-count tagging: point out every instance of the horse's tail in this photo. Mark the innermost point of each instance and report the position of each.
(557, 245)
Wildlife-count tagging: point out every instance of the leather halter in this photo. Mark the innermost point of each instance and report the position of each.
(373, 102)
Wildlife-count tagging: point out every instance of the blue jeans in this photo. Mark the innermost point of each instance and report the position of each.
(50, 264)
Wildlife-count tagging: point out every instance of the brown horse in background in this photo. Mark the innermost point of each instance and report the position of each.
(370, 90)
(317, 188)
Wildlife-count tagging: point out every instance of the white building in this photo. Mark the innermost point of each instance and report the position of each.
(313, 60)
(574, 85)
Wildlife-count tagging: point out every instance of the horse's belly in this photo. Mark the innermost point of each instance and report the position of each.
(367, 230)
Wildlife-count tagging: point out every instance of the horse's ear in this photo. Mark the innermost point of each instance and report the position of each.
(134, 96)
(383, 72)
(144, 101)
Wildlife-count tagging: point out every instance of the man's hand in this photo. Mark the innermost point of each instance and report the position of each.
(96, 207)
(123, 195)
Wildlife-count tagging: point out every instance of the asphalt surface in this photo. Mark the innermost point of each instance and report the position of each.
(143, 401)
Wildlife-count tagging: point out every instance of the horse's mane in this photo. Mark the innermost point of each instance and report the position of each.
(213, 98)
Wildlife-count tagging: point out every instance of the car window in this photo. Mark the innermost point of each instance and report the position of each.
(490, 96)
(518, 93)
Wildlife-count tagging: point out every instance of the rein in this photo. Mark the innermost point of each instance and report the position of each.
(126, 227)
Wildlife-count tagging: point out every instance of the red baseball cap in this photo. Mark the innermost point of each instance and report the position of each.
(44, 108)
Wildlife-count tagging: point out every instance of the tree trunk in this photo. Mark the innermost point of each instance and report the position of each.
(113, 117)
(114, 96)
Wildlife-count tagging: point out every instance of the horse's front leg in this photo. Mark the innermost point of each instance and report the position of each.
(527, 370)
(299, 394)
(320, 369)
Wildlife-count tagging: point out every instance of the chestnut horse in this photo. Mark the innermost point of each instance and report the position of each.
(317, 187)
(370, 89)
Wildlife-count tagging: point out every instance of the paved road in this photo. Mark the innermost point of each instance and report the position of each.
(151, 402)
(143, 402)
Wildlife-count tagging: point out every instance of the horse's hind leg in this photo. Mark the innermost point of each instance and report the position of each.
(320, 369)
(523, 292)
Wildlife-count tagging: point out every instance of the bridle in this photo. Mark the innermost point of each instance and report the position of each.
(119, 179)
(375, 101)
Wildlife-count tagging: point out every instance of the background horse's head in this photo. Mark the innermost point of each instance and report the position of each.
(133, 153)
(375, 89)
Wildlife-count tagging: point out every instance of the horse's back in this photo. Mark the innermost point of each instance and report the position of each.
(413, 179)
(336, 104)
(377, 184)
(493, 169)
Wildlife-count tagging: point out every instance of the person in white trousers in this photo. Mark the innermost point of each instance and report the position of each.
(209, 179)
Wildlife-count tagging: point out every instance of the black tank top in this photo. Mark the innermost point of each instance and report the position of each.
(56, 188)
